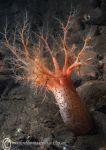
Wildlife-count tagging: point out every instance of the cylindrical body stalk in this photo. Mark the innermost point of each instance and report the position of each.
(72, 109)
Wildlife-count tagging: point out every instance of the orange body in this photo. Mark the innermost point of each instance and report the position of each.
(73, 111)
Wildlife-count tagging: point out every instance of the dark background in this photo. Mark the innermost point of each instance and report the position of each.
(39, 10)
(23, 115)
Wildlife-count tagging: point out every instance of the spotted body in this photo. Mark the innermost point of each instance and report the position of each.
(72, 109)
